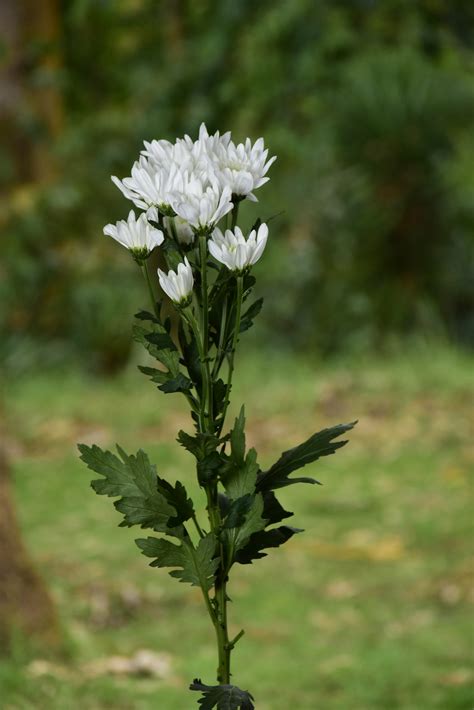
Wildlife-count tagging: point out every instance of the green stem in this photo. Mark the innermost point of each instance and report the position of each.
(235, 215)
(197, 526)
(238, 313)
(146, 276)
(205, 323)
(219, 354)
(224, 646)
(189, 315)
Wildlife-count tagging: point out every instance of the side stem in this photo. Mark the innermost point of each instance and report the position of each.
(146, 276)
(238, 313)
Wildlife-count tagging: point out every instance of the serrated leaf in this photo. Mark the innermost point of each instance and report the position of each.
(146, 499)
(235, 538)
(200, 445)
(177, 497)
(122, 477)
(262, 540)
(146, 315)
(153, 512)
(222, 697)
(208, 469)
(168, 356)
(318, 445)
(161, 340)
(237, 438)
(237, 511)
(196, 566)
(273, 511)
(157, 376)
(180, 383)
(240, 479)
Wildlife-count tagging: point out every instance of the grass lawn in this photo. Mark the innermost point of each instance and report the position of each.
(369, 609)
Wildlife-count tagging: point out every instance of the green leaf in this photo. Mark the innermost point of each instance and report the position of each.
(146, 315)
(157, 376)
(250, 314)
(320, 444)
(177, 496)
(237, 438)
(203, 447)
(219, 391)
(162, 340)
(128, 476)
(200, 445)
(208, 469)
(262, 540)
(190, 357)
(237, 511)
(240, 479)
(235, 538)
(196, 566)
(146, 499)
(153, 512)
(273, 511)
(163, 351)
(222, 697)
(180, 383)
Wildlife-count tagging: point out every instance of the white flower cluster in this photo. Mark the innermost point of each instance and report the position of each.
(189, 186)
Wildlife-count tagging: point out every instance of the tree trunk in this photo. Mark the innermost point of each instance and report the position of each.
(25, 606)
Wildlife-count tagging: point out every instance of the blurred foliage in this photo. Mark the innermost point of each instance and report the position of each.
(368, 106)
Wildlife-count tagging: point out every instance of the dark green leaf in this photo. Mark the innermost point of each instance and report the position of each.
(177, 496)
(200, 445)
(219, 392)
(240, 478)
(197, 566)
(262, 540)
(161, 340)
(157, 376)
(237, 511)
(237, 438)
(249, 315)
(222, 697)
(235, 538)
(180, 383)
(209, 468)
(168, 356)
(146, 499)
(273, 511)
(320, 444)
(146, 315)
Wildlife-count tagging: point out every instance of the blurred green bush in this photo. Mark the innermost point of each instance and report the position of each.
(368, 106)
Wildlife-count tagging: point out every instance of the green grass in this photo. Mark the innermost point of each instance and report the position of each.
(367, 610)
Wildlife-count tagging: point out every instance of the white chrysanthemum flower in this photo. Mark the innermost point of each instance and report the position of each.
(151, 186)
(136, 235)
(182, 228)
(236, 252)
(243, 167)
(178, 285)
(202, 206)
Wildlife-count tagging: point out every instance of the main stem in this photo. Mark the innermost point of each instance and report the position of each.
(219, 617)
(205, 328)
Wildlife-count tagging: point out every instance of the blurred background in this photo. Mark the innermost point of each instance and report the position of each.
(368, 286)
